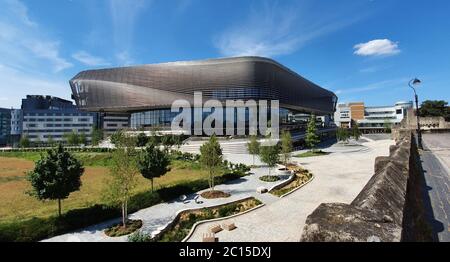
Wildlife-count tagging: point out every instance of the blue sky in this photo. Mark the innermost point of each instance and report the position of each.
(364, 50)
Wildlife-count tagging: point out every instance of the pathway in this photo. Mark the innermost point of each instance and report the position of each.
(158, 216)
(339, 177)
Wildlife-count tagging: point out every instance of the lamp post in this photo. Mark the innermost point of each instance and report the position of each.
(415, 83)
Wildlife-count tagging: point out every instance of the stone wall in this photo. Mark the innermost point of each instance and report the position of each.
(388, 209)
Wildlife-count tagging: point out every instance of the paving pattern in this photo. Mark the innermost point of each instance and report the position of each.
(158, 216)
(436, 165)
(339, 177)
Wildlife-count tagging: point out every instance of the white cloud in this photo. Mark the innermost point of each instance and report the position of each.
(23, 44)
(275, 30)
(16, 84)
(31, 61)
(90, 60)
(124, 15)
(377, 47)
(386, 84)
(124, 58)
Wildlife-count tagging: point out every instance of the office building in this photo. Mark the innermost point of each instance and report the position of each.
(47, 117)
(372, 119)
(5, 126)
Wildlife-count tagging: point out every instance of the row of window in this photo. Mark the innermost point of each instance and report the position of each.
(56, 114)
(55, 120)
(56, 130)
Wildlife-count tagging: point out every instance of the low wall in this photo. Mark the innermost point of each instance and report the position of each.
(388, 209)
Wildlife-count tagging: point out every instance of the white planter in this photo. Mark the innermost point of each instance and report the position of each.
(280, 171)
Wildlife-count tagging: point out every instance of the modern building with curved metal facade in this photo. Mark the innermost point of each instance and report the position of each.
(153, 88)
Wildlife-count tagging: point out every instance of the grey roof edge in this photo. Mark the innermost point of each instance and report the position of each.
(211, 61)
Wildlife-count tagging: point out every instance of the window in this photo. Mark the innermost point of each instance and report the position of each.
(399, 111)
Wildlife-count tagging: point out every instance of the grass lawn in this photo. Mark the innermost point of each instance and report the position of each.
(15, 205)
(312, 153)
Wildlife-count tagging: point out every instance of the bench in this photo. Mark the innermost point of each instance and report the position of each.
(215, 228)
(228, 226)
(210, 237)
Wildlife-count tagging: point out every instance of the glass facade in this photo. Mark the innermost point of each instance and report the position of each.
(164, 117)
(159, 118)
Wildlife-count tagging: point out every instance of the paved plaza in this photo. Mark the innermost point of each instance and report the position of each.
(339, 177)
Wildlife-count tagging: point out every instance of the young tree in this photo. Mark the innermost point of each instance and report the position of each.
(142, 140)
(356, 133)
(72, 138)
(123, 180)
(153, 163)
(24, 142)
(50, 141)
(211, 158)
(270, 155)
(96, 136)
(387, 126)
(166, 141)
(342, 134)
(178, 141)
(82, 139)
(312, 139)
(286, 146)
(55, 176)
(253, 147)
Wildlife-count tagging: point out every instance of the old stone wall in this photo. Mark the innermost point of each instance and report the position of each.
(389, 208)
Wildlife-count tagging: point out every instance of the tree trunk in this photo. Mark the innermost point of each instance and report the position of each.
(124, 225)
(59, 207)
(126, 212)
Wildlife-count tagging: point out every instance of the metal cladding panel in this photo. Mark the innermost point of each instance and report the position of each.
(157, 86)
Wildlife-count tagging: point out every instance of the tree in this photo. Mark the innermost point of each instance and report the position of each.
(270, 155)
(166, 141)
(117, 137)
(286, 146)
(82, 139)
(153, 163)
(177, 141)
(55, 176)
(50, 141)
(342, 134)
(123, 177)
(142, 140)
(435, 108)
(312, 139)
(253, 147)
(356, 133)
(96, 136)
(24, 142)
(387, 126)
(72, 138)
(211, 158)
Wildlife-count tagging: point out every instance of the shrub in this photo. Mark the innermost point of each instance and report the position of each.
(228, 210)
(269, 178)
(139, 236)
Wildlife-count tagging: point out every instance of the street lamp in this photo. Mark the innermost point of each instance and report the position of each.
(415, 83)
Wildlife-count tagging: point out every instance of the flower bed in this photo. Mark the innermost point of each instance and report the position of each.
(302, 176)
(269, 178)
(186, 220)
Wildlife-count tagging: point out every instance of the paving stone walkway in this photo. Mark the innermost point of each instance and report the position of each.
(157, 217)
(339, 177)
